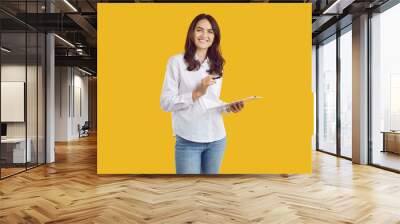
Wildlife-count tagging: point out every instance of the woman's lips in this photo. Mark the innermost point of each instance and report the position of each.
(203, 41)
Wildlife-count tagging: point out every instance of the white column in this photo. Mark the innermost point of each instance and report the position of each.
(50, 92)
(360, 90)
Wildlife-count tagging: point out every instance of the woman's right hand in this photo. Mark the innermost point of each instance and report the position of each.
(203, 86)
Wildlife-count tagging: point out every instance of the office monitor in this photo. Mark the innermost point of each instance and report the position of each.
(3, 129)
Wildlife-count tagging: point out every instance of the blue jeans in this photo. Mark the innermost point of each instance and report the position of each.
(198, 158)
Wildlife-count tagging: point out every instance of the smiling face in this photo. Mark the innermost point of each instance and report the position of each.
(203, 42)
(203, 34)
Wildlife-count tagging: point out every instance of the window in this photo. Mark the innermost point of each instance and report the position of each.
(385, 88)
(346, 93)
(327, 95)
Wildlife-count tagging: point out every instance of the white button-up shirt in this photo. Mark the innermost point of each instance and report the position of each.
(194, 121)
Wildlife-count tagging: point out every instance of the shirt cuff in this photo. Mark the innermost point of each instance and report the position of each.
(225, 109)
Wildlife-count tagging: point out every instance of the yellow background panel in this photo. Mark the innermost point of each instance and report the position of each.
(267, 48)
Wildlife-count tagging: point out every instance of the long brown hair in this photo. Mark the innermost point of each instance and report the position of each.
(216, 61)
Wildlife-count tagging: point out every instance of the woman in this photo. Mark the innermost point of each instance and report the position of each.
(191, 88)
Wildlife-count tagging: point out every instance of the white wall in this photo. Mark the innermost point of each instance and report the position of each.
(71, 87)
(16, 73)
(62, 78)
(81, 81)
(13, 72)
(12, 101)
(314, 91)
(33, 127)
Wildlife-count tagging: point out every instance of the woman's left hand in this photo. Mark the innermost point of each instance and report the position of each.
(236, 107)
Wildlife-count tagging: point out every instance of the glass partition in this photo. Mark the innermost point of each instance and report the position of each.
(327, 95)
(22, 77)
(41, 109)
(32, 95)
(346, 93)
(385, 89)
(14, 153)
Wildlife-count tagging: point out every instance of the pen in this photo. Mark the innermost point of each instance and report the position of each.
(217, 77)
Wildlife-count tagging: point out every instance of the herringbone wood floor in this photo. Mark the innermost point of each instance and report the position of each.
(70, 191)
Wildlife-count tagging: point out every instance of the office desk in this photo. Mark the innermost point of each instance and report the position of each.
(391, 141)
(13, 150)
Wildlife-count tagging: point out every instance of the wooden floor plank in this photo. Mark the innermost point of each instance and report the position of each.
(70, 191)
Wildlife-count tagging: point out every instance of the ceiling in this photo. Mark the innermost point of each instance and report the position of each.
(76, 22)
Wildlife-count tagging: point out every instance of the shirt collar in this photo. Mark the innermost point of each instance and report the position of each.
(205, 62)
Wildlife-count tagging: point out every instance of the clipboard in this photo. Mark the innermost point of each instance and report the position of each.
(247, 99)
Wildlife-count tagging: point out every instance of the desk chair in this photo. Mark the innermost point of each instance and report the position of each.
(84, 130)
